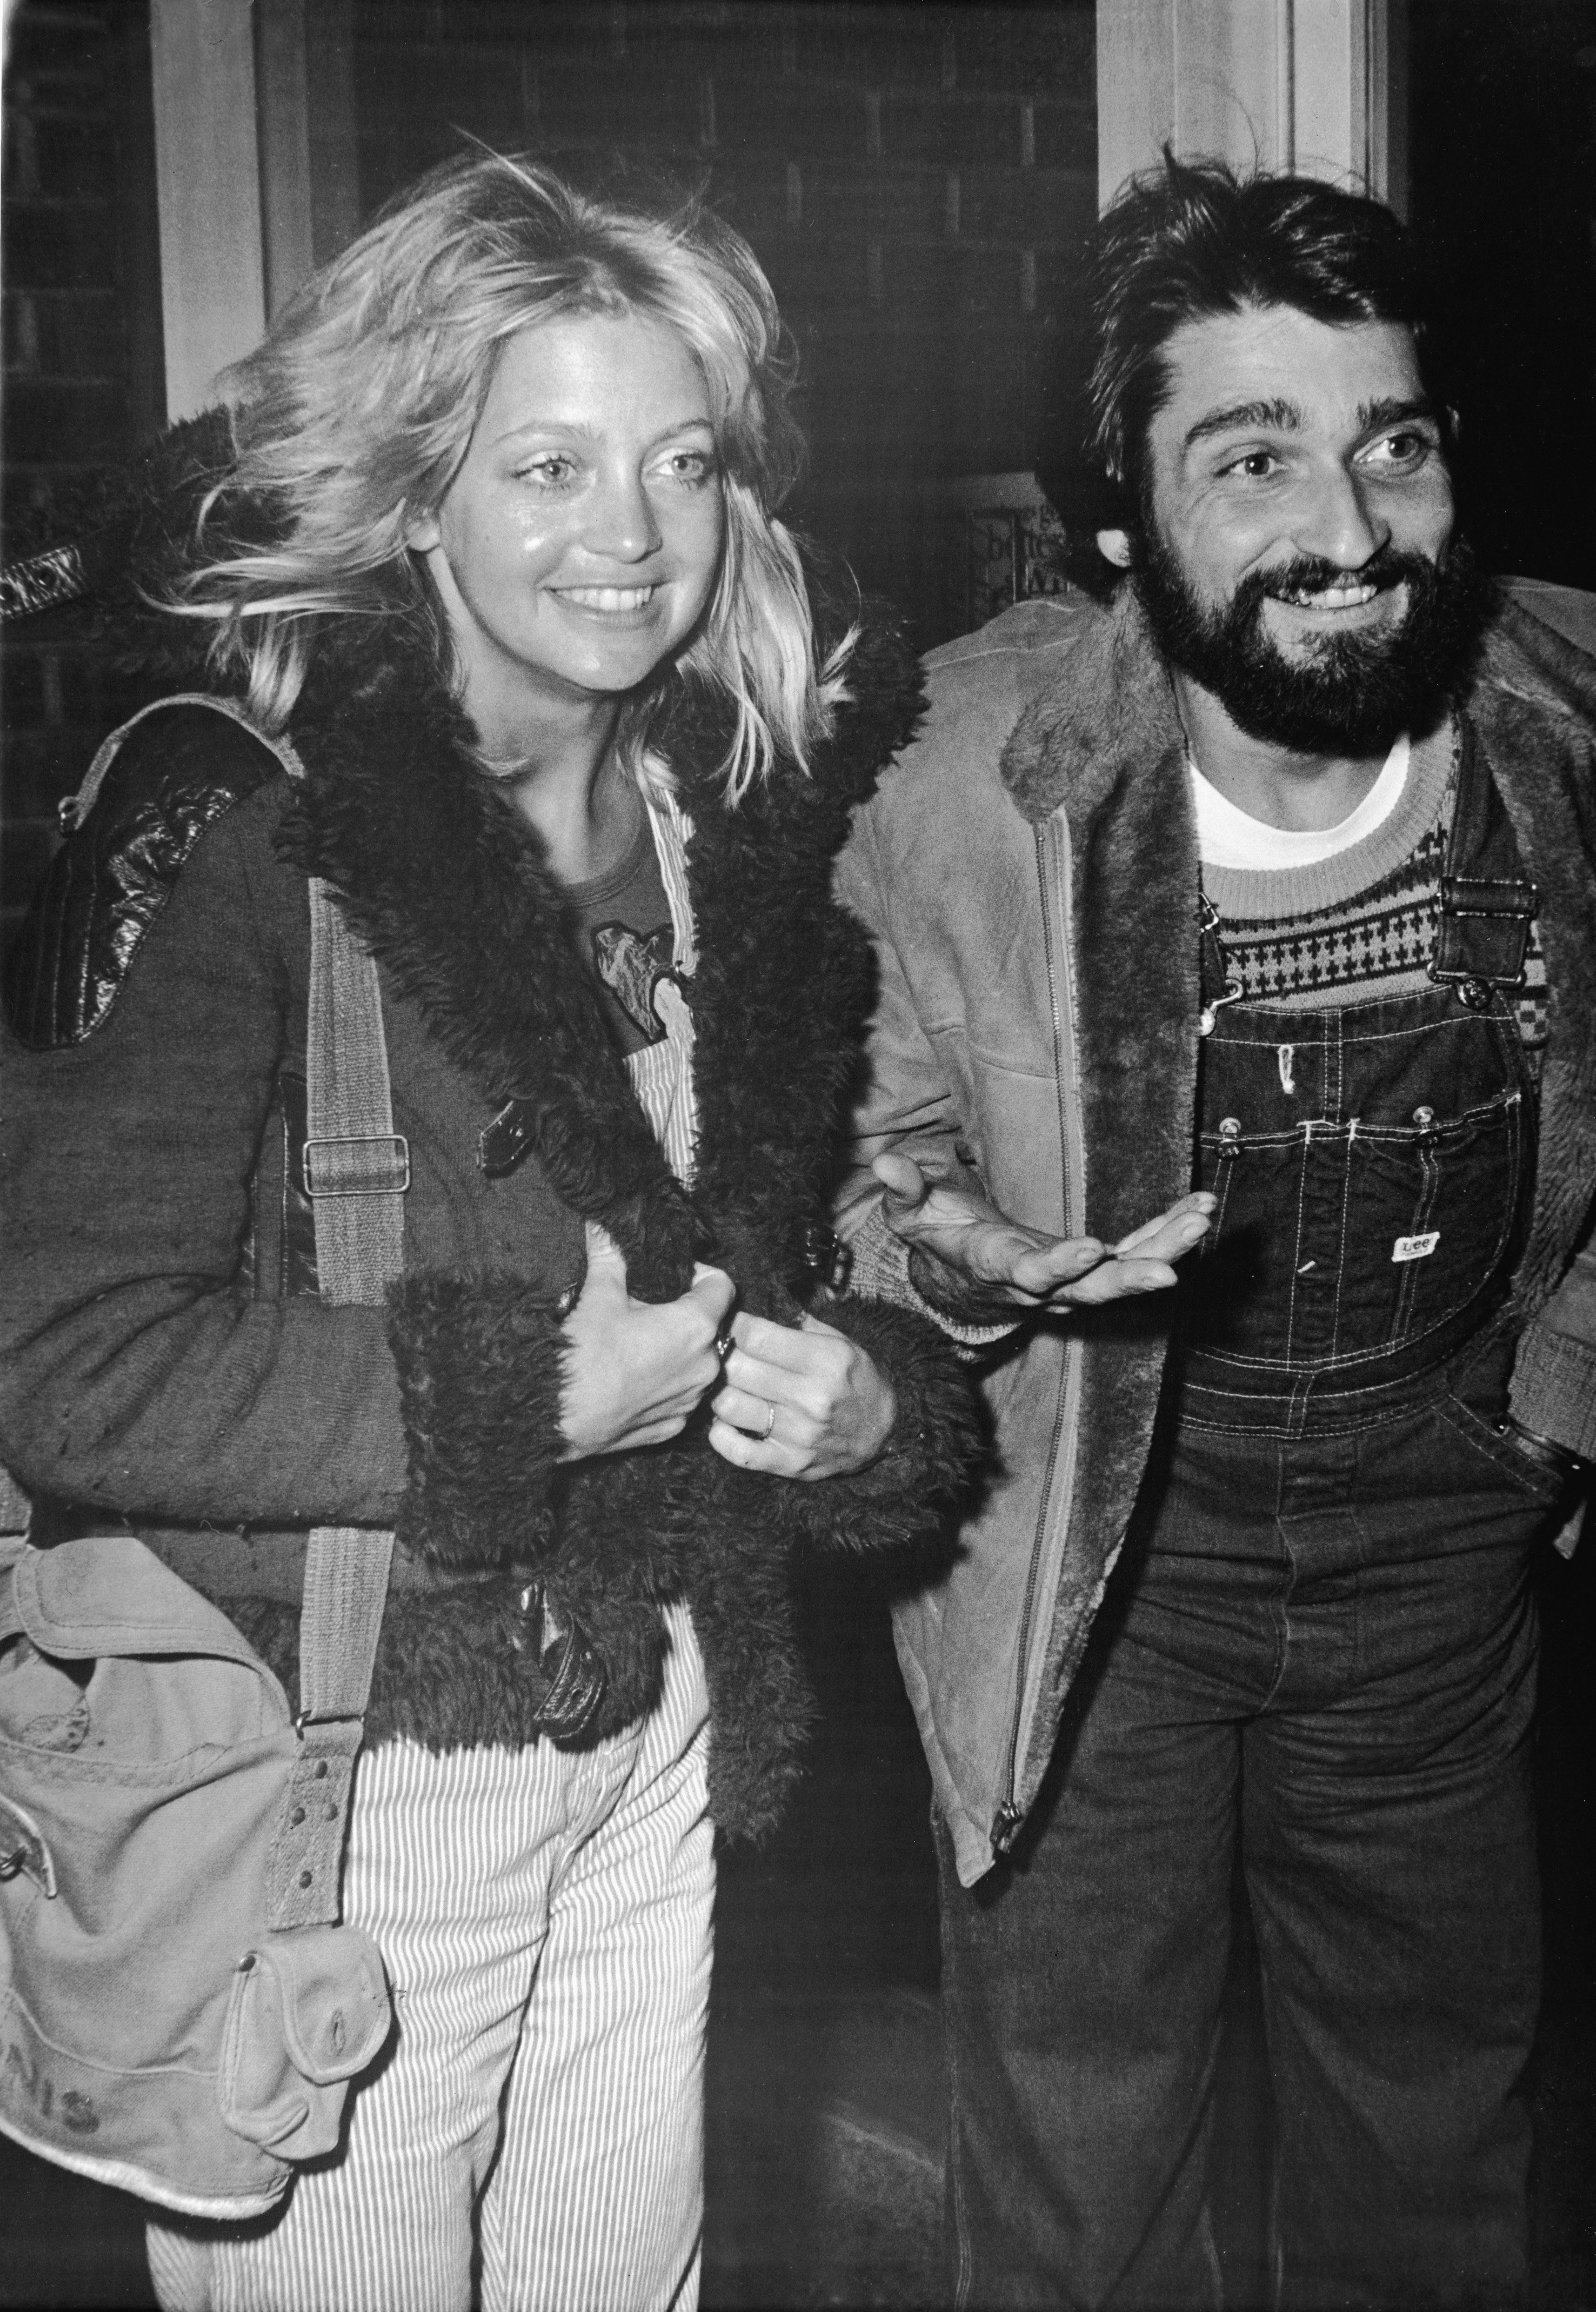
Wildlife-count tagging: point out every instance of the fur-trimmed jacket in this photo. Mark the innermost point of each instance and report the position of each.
(165, 1360)
(1029, 871)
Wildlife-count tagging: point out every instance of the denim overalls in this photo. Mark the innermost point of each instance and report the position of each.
(1373, 1164)
(1316, 1656)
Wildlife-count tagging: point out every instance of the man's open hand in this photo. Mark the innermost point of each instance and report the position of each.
(977, 1266)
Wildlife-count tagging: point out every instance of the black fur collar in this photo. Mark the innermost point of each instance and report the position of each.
(448, 887)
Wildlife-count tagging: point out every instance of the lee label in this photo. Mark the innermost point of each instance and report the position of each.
(1415, 1247)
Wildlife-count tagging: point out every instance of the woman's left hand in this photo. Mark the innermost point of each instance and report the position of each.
(800, 1401)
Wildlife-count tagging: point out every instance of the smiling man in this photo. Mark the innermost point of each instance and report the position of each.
(1269, 890)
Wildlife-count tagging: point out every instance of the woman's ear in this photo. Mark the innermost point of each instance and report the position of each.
(1113, 546)
(422, 532)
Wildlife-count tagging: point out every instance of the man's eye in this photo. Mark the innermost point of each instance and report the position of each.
(1399, 449)
(1254, 465)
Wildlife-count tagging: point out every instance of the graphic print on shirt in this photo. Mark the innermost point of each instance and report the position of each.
(631, 966)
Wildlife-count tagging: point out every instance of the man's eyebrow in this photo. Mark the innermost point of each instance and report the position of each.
(1279, 416)
(1373, 415)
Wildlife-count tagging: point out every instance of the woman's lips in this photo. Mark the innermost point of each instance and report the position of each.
(610, 601)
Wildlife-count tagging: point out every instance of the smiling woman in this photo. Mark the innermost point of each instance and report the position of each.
(576, 548)
(492, 652)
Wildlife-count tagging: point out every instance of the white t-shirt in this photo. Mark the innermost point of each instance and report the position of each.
(1228, 837)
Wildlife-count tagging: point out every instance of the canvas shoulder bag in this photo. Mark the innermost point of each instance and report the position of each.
(182, 2014)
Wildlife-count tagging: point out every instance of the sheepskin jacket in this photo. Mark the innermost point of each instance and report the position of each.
(166, 1360)
(1030, 869)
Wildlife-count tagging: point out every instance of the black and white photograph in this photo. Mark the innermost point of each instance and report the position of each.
(798, 1155)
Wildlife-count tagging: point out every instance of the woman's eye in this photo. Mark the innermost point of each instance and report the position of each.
(689, 466)
(553, 471)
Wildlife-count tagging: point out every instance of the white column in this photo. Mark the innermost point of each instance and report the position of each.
(1303, 85)
(208, 180)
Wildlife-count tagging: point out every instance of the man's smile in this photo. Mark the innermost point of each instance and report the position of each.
(1346, 605)
(1343, 597)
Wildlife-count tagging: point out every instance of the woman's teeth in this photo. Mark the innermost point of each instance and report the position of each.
(1330, 598)
(609, 598)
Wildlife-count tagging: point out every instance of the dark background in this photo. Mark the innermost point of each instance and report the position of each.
(918, 181)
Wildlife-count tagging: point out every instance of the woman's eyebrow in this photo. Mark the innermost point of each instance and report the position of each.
(586, 433)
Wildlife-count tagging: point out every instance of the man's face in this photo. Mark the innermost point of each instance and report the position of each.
(1297, 557)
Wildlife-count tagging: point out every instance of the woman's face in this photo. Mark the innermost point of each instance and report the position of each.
(579, 541)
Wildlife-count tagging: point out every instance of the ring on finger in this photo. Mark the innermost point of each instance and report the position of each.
(769, 1420)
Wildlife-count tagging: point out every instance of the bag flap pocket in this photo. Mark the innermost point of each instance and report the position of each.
(309, 2009)
(106, 1594)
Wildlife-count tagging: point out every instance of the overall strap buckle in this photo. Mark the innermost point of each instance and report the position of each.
(1219, 985)
(1482, 934)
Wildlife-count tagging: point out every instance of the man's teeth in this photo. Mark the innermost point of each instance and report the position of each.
(1330, 598)
(609, 598)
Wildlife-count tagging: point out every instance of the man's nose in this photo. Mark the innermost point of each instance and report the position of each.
(621, 522)
(1336, 522)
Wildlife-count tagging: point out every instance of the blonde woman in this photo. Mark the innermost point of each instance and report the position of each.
(488, 539)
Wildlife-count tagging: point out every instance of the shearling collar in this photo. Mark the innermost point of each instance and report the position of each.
(1103, 745)
(1111, 720)
(448, 887)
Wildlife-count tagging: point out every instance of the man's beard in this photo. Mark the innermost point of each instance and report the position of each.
(1352, 694)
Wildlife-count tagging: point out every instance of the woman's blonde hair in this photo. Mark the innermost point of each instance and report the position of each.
(353, 416)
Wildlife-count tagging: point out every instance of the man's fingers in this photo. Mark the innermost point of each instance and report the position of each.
(1117, 1280)
(1042, 1269)
(901, 1178)
(1186, 1223)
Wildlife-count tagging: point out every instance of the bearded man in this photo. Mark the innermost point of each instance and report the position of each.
(1270, 888)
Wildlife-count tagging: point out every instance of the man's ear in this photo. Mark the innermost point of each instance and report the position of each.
(1113, 546)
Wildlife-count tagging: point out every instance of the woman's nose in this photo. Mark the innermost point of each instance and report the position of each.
(621, 521)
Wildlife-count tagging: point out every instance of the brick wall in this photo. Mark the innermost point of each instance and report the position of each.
(81, 311)
(916, 180)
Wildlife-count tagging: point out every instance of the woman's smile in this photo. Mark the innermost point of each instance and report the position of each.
(613, 604)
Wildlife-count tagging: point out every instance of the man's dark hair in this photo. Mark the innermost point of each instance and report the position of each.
(1192, 240)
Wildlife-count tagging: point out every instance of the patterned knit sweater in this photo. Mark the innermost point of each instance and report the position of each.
(1360, 923)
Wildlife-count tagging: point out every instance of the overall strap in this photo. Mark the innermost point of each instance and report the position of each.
(1487, 903)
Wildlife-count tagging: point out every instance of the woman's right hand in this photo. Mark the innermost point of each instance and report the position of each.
(634, 1370)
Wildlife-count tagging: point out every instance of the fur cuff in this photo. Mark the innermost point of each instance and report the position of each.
(480, 1365)
(935, 1450)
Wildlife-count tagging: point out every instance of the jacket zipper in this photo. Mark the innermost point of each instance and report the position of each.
(1006, 1822)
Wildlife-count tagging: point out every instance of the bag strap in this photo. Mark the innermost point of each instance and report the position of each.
(357, 1169)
